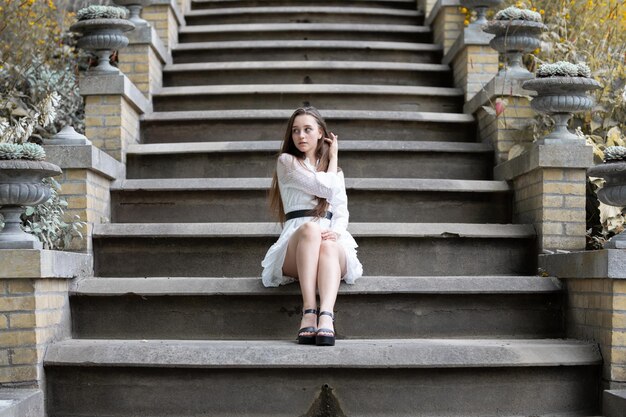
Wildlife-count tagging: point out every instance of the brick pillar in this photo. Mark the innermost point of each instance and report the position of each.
(473, 61)
(595, 283)
(509, 128)
(446, 22)
(34, 309)
(113, 106)
(549, 182)
(165, 16)
(143, 59)
(85, 183)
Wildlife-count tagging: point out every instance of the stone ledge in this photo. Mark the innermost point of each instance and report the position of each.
(147, 35)
(544, 156)
(606, 263)
(437, 8)
(439, 285)
(466, 38)
(114, 84)
(21, 403)
(85, 157)
(30, 263)
(365, 353)
(498, 87)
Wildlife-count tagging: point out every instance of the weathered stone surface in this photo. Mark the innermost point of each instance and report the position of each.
(21, 403)
(20, 263)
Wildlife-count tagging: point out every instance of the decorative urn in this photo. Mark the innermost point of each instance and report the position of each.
(134, 7)
(21, 185)
(562, 91)
(517, 31)
(481, 7)
(103, 29)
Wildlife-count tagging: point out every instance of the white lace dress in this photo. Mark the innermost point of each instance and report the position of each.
(299, 185)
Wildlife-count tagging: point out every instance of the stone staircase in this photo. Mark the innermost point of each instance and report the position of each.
(449, 319)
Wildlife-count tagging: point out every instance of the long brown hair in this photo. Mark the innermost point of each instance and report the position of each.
(288, 146)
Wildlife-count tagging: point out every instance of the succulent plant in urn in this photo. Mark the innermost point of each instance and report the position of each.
(562, 91)
(103, 30)
(516, 31)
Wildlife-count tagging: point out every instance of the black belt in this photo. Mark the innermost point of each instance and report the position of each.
(306, 213)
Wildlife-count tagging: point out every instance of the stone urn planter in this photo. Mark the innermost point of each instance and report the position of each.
(612, 193)
(103, 29)
(481, 7)
(561, 97)
(514, 38)
(21, 185)
(135, 6)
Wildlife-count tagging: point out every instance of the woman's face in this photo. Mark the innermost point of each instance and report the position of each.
(305, 133)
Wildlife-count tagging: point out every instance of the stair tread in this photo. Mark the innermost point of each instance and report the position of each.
(378, 184)
(258, 229)
(307, 89)
(303, 27)
(273, 146)
(204, 286)
(364, 353)
(282, 115)
(368, 45)
(408, 2)
(304, 9)
(353, 65)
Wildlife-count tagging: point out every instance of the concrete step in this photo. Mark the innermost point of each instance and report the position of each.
(413, 377)
(303, 14)
(326, 96)
(215, 4)
(21, 402)
(305, 31)
(214, 126)
(307, 72)
(371, 200)
(614, 403)
(363, 159)
(311, 50)
(237, 249)
(375, 307)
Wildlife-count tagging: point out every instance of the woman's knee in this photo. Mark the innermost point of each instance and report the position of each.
(310, 231)
(329, 249)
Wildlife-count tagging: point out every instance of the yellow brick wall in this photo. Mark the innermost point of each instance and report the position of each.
(162, 17)
(508, 129)
(88, 197)
(473, 67)
(142, 66)
(447, 27)
(553, 199)
(111, 124)
(34, 313)
(596, 310)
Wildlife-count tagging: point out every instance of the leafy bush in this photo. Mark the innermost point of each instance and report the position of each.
(46, 221)
(38, 96)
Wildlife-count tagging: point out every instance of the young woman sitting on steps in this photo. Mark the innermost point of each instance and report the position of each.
(308, 194)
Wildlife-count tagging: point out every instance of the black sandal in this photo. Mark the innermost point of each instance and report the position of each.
(303, 337)
(325, 340)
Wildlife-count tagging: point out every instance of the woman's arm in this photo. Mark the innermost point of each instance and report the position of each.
(291, 172)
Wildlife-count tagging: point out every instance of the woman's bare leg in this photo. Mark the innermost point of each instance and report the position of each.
(301, 262)
(331, 267)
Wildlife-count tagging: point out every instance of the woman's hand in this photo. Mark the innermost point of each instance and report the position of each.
(329, 235)
(334, 145)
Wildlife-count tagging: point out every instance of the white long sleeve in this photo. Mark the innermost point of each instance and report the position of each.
(291, 173)
(339, 207)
